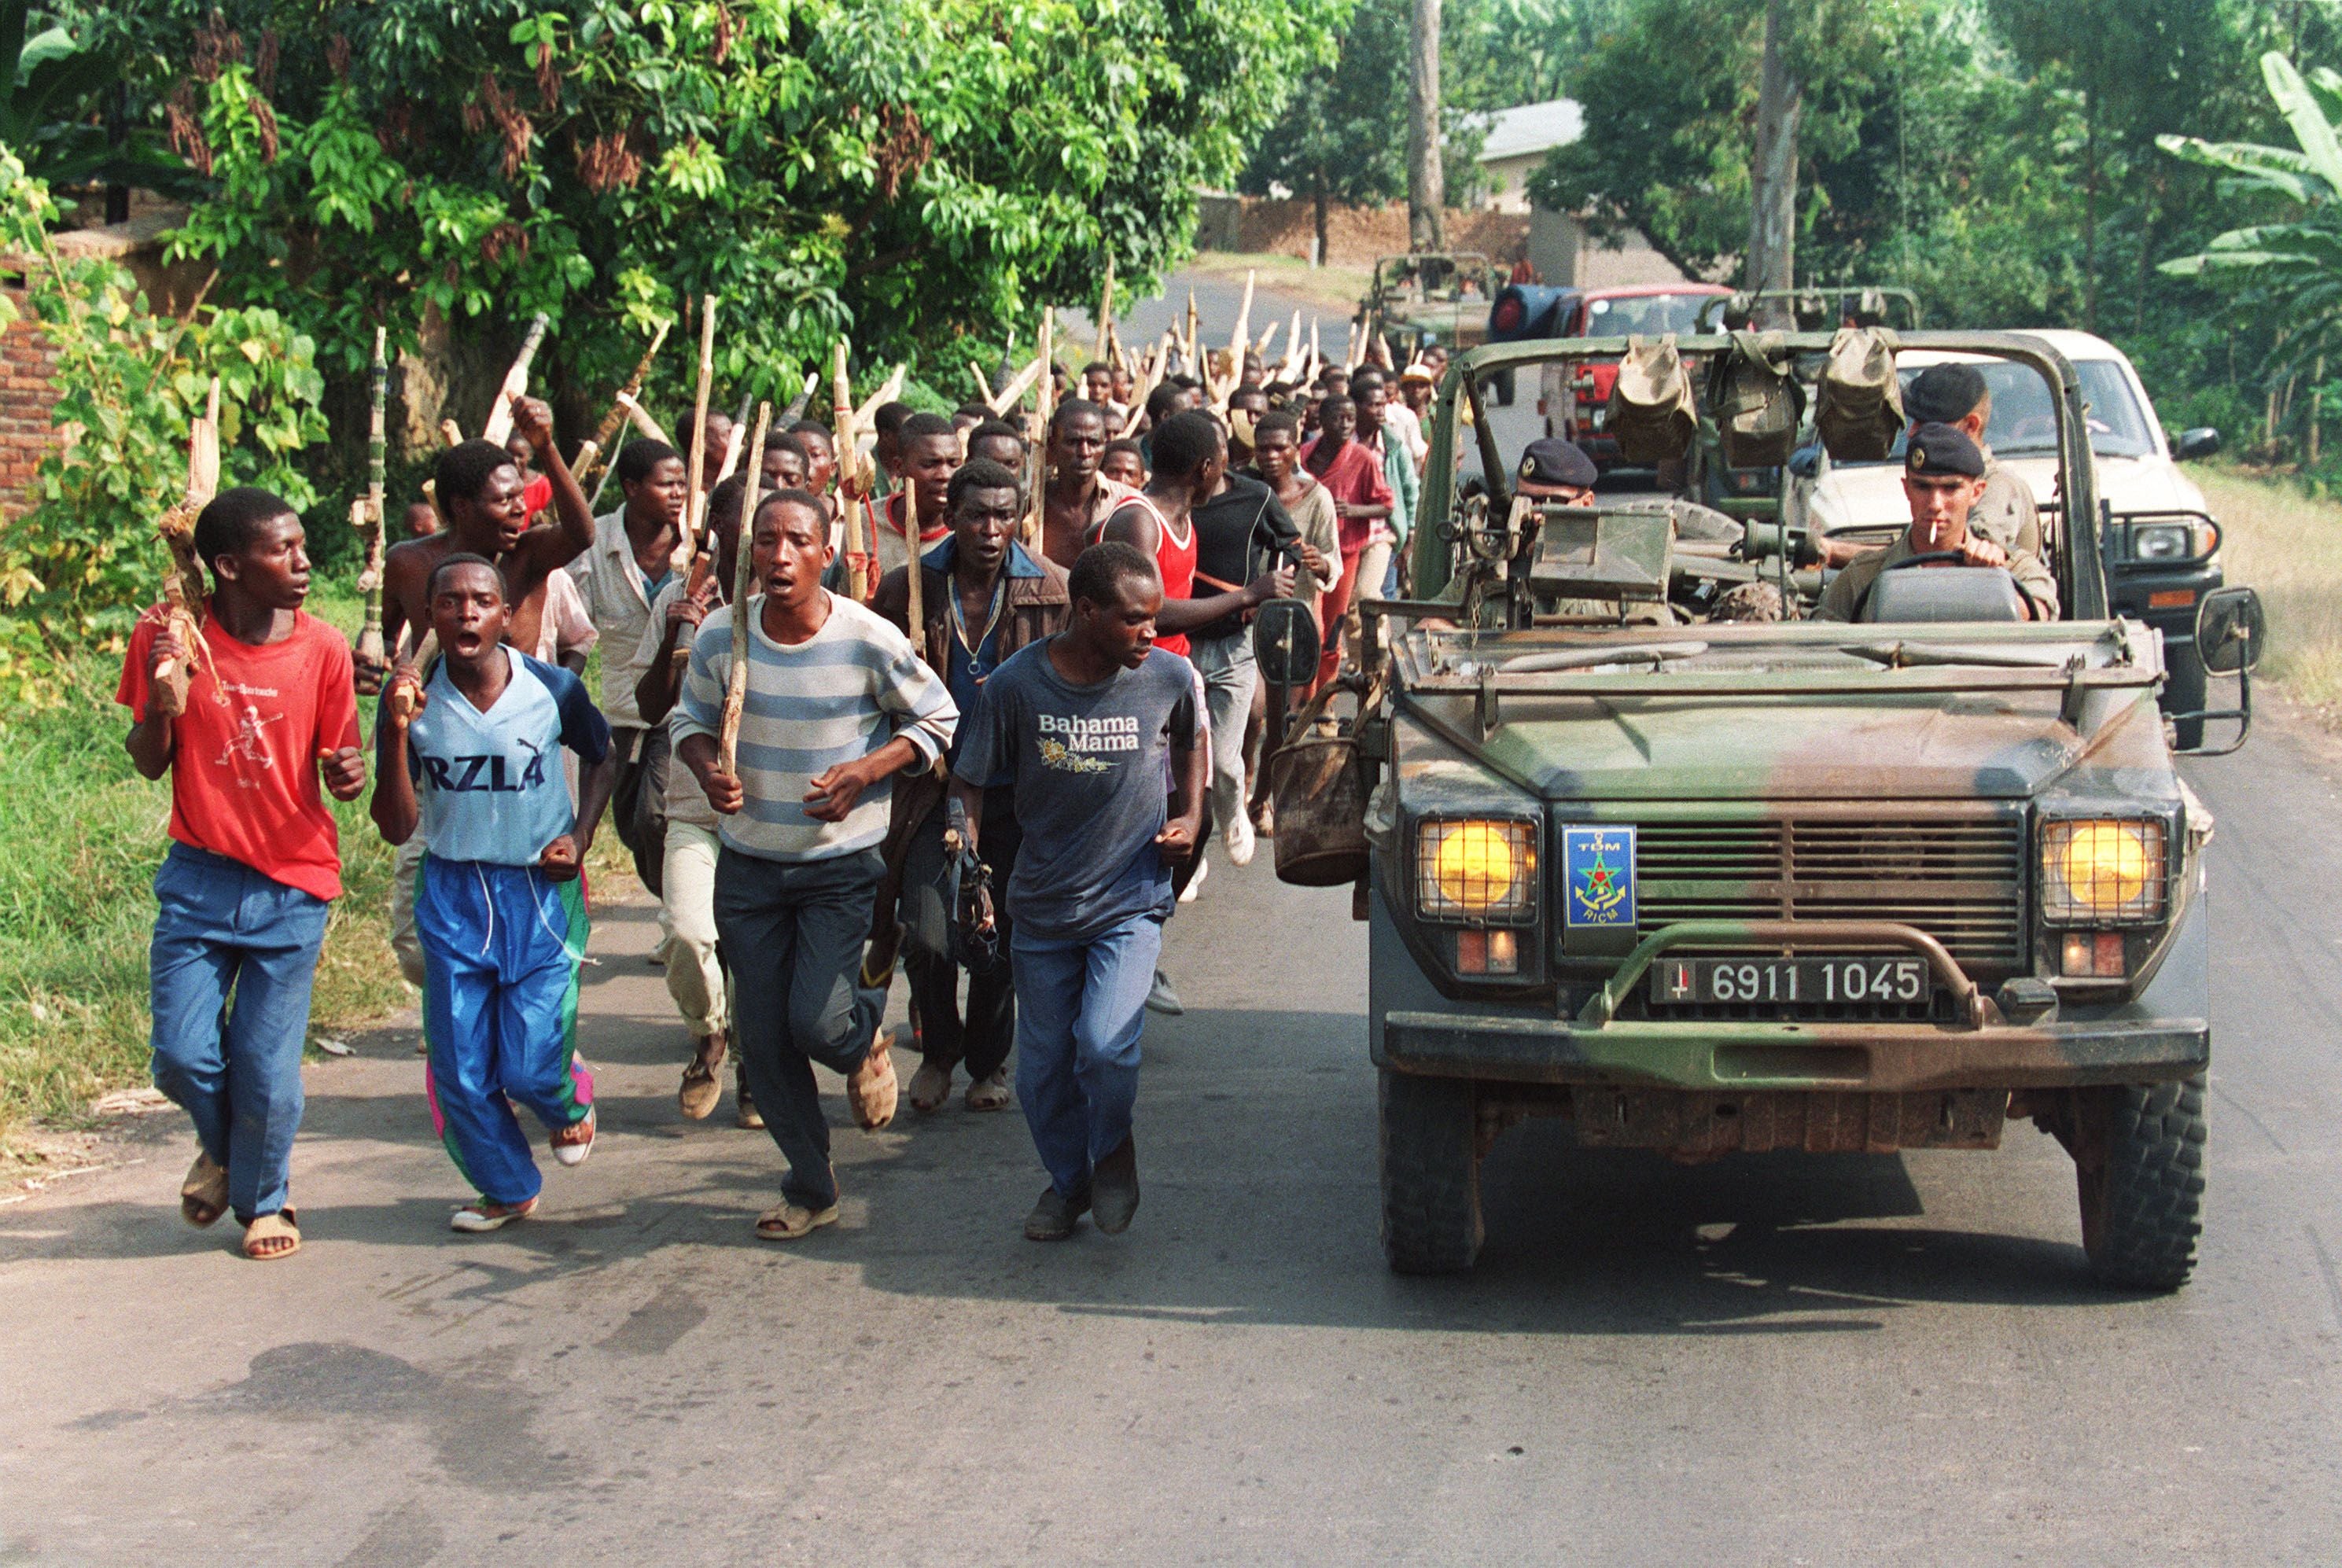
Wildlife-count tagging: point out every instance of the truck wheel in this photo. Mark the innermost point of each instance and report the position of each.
(2138, 1159)
(2184, 690)
(1430, 1175)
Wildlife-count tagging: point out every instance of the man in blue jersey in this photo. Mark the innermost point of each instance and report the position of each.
(836, 703)
(470, 753)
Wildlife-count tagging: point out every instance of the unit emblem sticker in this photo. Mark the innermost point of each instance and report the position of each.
(1598, 875)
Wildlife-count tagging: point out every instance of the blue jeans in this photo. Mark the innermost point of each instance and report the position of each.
(792, 933)
(234, 957)
(1080, 1006)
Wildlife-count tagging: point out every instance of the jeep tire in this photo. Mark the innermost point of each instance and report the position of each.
(2138, 1161)
(1430, 1175)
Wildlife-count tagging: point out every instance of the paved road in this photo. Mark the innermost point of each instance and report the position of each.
(1784, 1358)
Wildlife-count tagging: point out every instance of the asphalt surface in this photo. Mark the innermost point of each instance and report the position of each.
(1781, 1359)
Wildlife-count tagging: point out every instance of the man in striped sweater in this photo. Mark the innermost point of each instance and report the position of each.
(837, 704)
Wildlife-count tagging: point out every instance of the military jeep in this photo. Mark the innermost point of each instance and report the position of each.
(1704, 888)
(1433, 297)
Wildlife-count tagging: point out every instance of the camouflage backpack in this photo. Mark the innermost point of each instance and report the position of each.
(1757, 404)
(1652, 412)
(1861, 403)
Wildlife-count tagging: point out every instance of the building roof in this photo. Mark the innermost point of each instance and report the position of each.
(1529, 128)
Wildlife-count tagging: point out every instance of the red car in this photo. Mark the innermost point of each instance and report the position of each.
(1650, 310)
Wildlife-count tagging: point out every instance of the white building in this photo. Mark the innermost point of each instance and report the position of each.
(1518, 139)
(1515, 144)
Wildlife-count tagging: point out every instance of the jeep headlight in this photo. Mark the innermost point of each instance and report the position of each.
(1475, 868)
(2102, 871)
(2162, 542)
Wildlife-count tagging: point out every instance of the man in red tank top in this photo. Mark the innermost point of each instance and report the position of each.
(1190, 455)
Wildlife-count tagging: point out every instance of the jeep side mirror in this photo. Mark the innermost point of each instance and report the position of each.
(2229, 631)
(2201, 442)
(1285, 643)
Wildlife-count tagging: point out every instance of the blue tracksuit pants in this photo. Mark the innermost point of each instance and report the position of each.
(500, 947)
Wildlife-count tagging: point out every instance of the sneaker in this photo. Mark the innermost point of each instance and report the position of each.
(1113, 1188)
(481, 1216)
(572, 1144)
(1195, 883)
(1053, 1215)
(1161, 998)
(1240, 840)
(745, 1113)
(991, 1093)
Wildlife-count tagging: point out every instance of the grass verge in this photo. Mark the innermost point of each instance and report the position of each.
(81, 835)
(2288, 546)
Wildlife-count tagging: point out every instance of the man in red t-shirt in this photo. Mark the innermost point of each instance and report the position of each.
(1352, 474)
(249, 722)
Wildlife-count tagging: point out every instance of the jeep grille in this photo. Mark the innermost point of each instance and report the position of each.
(1960, 879)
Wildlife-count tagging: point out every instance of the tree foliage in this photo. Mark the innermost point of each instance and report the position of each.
(906, 175)
(77, 566)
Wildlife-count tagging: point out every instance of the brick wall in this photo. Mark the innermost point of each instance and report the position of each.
(1354, 235)
(26, 362)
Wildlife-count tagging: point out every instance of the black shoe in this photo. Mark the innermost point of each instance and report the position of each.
(1113, 1188)
(1053, 1218)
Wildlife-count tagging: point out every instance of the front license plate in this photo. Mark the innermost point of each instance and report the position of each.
(1782, 981)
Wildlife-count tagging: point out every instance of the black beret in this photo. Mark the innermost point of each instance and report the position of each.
(1943, 393)
(1555, 460)
(1940, 449)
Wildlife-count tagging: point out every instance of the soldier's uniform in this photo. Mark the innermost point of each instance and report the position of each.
(2006, 513)
(1939, 449)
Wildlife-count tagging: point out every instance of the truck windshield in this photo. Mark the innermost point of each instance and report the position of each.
(1647, 313)
(2023, 422)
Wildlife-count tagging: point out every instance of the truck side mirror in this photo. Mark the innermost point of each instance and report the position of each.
(2231, 630)
(2201, 442)
(1285, 643)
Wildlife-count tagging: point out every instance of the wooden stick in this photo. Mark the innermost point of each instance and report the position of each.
(1044, 410)
(805, 395)
(642, 419)
(1105, 310)
(735, 687)
(402, 703)
(1194, 331)
(370, 648)
(733, 443)
(854, 475)
(451, 433)
(1240, 339)
(1316, 352)
(914, 526)
(696, 502)
(888, 390)
(499, 424)
(182, 582)
(1267, 339)
(1010, 395)
(983, 383)
(615, 419)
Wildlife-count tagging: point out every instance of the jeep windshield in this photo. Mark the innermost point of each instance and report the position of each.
(2023, 423)
(1646, 315)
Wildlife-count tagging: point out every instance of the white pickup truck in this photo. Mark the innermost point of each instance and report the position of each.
(2160, 544)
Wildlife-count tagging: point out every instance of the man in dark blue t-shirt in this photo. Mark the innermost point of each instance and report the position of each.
(1084, 726)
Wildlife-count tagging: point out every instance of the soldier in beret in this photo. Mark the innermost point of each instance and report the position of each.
(1555, 469)
(1956, 395)
(1943, 476)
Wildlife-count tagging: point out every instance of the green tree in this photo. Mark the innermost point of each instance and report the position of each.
(919, 177)
(1342, 135)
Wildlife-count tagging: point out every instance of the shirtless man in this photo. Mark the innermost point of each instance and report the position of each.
(481, 495)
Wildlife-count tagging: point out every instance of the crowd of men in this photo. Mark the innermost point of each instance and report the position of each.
(983, 737)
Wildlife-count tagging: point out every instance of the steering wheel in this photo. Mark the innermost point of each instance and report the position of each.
(1932, 558)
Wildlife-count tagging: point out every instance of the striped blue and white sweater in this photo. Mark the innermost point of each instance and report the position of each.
(839, 696)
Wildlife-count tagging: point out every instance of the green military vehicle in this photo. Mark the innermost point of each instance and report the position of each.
(1707, 888)
(1427, 298)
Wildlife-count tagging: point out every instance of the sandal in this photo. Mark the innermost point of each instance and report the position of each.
(871, 1089)
(788, 1222)
(272, 1236)
(991, 1093)
(930, 1087)
(202, 1196)
(480, 1216)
